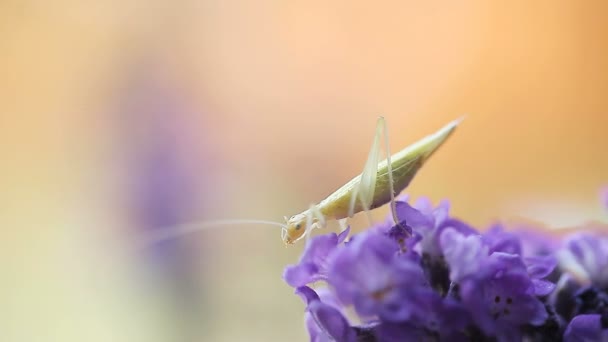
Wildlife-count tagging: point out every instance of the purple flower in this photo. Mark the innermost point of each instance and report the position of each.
(371, 275)
(539, 267)
(587, 328)
(313, 263)
(435, 278)
(536, 242)
(498, 240)
(501, 297)
(464, 254)
(586, 256)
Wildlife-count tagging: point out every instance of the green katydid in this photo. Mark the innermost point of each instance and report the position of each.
(376, 186)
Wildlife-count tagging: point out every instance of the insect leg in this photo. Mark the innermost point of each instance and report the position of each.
(343, 224)
(314, 219)
(391, 183)
(317, 215)
(367, 186)
(309, 223)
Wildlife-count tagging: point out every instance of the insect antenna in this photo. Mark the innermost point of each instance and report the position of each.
(176, 231)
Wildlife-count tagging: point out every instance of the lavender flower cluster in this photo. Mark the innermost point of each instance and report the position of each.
(435, 278)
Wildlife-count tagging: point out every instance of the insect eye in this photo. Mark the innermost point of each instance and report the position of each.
(298, 226)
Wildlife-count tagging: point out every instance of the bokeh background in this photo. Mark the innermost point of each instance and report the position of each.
(119, 118)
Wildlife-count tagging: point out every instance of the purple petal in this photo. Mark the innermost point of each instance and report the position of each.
(370, 274)
(538, 312)
(459, 226)
(307, 294)
(301, 274)
(319, 247)
(351, 267)
(454, 317)
(331, 322)
(473, 297)
(314, 331)
(501, 297)
(424, 205)
(329, 298)
(412, 217)
(437, 314)
(324, 322)
(463, 254)
(542, 287)
(535, 242)
(400, 332)
(540, 266)
(577, 244)
(442, 212)
(312, 266)
(500, 241)
(585, 328)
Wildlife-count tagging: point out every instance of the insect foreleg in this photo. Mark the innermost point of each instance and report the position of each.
(318, 215)
(309, 223)
(314, 219)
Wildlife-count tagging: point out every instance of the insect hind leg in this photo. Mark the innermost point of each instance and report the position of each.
(370, 172)
(391, 183)
(364, 193)
(367, 186)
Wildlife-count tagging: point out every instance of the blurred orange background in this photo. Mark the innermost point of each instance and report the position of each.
(121, 117)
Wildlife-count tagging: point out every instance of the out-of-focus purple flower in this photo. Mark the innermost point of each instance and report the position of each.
(587, 328)
(313, 263)
(534, 242)
(586, 256)
(464, 254)
(562, 299)
(369, 273)
(538, 268)
(501, 297)
(498, 240)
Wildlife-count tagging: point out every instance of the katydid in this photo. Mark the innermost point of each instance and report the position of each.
(376, 186)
